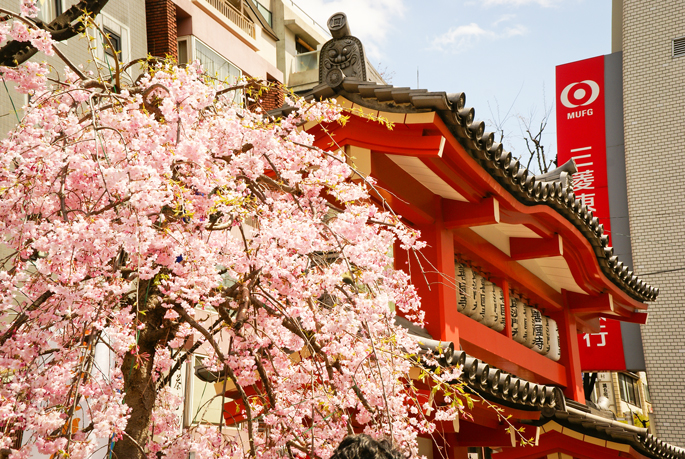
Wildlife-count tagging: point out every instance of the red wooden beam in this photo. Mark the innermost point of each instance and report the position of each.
(444, 169)
(570, 354)
(405, 195)
(527, 248)
(507, 355)
(514, 217)
(457, 214)
(499, 264)
(585, 304)
(432, 273)
(471, 434)
(378, 138)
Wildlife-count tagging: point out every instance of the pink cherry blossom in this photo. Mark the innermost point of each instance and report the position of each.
(140, 220)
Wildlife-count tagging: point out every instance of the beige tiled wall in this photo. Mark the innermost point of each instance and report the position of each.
(130, 13)
(654, 116)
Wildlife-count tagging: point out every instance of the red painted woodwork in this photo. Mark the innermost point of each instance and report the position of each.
(433, 275)
(458, 214)
(376, 137)
(471, 434)
(526, 248)
(570, 354)
(402, 192)
(458, 166)
(500, 351)
(499, 264)
(442, 167)
(585, 304)
(554, 442)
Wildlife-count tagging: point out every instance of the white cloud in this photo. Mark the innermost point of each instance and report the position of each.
(463, 37)
(503, 18)
(369, 21)
(543, 3)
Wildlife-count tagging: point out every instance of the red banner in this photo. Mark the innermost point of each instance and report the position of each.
(602, 351)
(581, 135)
(581, 132)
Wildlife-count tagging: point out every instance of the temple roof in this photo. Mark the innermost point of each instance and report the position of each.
(342, 72)
(553, 189)
(557, 413)
(580, 420)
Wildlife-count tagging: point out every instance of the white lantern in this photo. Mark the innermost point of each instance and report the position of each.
(554, 341)
(491, 316)
(539, 336)
(460, 277)
(471, 290)
(500, 310)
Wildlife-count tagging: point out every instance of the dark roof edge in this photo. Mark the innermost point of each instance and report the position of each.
(596, 426)
(552, 189)
(488, 382)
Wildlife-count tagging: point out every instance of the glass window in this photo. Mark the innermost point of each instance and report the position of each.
(115, 40)
(49, 9)
(207, 407)
(118, 35)
(266, 13)
(628, 388)
(648, 398)
(215, 65)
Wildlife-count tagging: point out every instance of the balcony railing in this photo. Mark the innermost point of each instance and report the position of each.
(234, 16)
(306, 61)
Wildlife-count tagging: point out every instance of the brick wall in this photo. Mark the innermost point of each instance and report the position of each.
(654, 118)
(162, 33)
(271, 97)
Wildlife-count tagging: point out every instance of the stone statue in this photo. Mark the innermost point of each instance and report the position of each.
(342, 56)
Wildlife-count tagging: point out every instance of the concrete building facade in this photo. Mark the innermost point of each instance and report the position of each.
(654, 123)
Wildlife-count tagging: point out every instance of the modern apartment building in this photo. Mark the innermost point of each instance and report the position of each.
(124, 20)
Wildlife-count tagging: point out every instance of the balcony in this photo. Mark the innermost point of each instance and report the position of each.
(306, 61)
(235, 15)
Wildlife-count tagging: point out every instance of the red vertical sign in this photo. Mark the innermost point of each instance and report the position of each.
(602, 351)
(581, 132)
(581, 135)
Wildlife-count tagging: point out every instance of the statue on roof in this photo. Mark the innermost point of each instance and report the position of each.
(342, 56)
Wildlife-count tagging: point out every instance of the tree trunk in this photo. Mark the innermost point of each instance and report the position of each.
(140, 396)
(139, 386)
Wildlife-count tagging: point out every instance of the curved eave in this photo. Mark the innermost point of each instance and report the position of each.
(505, 173)
(578, 419)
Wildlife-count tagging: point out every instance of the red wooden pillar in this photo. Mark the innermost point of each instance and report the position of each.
(444, 447)
(570, 354)
(432, 273)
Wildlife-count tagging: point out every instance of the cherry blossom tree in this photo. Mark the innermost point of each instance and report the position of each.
(144, 218)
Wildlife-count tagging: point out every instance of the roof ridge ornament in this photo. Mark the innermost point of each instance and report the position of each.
(342, 56)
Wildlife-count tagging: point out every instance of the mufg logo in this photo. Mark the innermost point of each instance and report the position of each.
(579, 94)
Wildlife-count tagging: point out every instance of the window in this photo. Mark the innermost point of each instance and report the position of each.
(115, 40)
(678, 47)
(264, 12)
(206, 405)
(191, 48)
(49, 9)
(628, 388)
(648, 398)
(119, 36)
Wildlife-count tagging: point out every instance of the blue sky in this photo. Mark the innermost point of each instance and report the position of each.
(492, 50)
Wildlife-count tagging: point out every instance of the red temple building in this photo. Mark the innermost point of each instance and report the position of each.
(523, 265)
